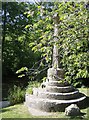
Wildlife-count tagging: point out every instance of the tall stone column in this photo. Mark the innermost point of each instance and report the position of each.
(55, 73)
(56, 58)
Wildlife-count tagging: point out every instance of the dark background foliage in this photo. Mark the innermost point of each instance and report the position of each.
(27, 37)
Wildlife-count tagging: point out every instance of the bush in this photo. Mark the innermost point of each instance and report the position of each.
(16, 95)
(31, 85)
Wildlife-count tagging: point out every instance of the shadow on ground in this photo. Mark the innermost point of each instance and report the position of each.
(5, 110)
(79, 117)
(86, 102)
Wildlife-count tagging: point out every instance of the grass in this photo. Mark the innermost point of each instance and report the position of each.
(21, 111)
(15, 111)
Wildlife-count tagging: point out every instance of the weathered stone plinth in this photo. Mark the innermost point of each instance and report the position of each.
(54, 94)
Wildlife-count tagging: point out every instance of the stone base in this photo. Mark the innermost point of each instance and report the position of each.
(55, 94)
(38, 112)
(49, 105)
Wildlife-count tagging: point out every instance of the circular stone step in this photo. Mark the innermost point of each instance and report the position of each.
(60, 89)
(58, 96)
(57, 83)
(49, 105)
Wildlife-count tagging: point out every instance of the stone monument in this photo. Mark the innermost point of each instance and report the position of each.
(54, 94)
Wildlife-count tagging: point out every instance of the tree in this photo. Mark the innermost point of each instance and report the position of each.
(27, 26)
(16, 50)
(73, 38)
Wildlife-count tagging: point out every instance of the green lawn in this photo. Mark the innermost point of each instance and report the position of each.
(21, 111)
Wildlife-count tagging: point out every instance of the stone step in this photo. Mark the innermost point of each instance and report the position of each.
(59, 89)
(49, 105)
(57, 83)
(58, 96)
(54, 79)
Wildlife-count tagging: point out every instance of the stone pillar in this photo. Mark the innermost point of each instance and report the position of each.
(55, 73)
(55, 63)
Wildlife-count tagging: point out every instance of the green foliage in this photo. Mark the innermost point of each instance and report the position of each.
(73, 37)
(22, 70)
(29, 90)
(75, 43)
(16, 95)
(30, 28)
(31, 85)
(16, 51)
(44, 78)
(62, 81)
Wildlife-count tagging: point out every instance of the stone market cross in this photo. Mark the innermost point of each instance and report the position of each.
(56, 94)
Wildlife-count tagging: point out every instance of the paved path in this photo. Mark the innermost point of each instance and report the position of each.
(4, 104)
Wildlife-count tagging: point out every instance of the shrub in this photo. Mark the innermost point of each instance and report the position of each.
(31, 85)
(29, 90)
(16, 95)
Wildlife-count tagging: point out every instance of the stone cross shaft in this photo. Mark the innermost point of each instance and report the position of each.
(55, 63)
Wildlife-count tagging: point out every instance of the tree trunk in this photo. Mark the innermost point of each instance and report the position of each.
(4, 27)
